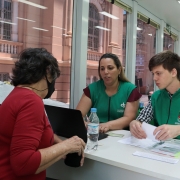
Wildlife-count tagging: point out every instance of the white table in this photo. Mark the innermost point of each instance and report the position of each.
(114, 161)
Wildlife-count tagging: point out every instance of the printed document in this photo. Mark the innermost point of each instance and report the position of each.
(169, 147)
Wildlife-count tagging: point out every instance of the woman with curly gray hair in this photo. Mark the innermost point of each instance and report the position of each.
(28, 144)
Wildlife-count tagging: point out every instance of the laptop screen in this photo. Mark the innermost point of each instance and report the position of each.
(66, 122)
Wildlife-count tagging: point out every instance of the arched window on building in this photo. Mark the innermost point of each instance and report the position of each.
(93, 33)
(6, 19)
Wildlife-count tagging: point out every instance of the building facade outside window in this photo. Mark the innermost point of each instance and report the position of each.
(41, 25)
(93, 33)
(4, 76)
(105, 34)
(6, 18)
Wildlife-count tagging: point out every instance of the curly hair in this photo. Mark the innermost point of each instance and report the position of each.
(118, 64)
(32, 66)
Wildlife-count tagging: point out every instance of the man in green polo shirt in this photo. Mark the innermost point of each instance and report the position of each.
(163, 109)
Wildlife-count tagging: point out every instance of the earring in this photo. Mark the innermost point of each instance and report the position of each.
(119, 75)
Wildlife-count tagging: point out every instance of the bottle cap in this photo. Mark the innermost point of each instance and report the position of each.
(141, 104)
(93, 110)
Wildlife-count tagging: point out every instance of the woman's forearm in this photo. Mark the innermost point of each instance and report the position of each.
(129, 115)
(57, 151)
(120, 123)
(45, 166)
(52, 154)
(57, 139)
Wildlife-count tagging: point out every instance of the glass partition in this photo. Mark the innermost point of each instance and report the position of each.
(37, 24)
(106, 33)
(145, 49)
(168, 43)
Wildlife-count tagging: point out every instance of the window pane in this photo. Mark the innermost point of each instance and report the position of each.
(48, 27)
(104, 35)
(6, 31)
(168, 43)
(7, 10)
(0, 8)
(145, 49)
(4, 76)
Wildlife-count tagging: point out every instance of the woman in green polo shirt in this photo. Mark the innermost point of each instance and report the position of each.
(115, 98)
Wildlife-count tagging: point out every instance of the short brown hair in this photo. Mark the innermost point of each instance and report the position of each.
(168, 59)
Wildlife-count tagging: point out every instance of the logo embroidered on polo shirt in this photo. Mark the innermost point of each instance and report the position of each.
(123, 105)
(178, 120)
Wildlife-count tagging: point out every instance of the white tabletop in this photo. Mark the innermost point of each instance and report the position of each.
(120, 155)
(114, 160)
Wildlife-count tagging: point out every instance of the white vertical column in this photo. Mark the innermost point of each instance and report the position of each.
(2, 47)
(14, 33)
(131, 43)
(100, 48)
(5, 48)
(159, 37)
(79, 50)
(159, 42)
(91, 79)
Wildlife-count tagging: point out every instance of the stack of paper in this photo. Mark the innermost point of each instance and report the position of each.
(170, 147)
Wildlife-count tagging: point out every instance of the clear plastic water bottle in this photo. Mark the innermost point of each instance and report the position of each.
(93, 130)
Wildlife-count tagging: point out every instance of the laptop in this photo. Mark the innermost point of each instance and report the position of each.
(66, 122)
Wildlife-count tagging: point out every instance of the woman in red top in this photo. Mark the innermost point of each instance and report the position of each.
(28, 145)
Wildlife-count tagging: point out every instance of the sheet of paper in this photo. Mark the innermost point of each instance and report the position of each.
(167, 148)
(143, 143)
(149, 129)
(115, 134)
(156, 157)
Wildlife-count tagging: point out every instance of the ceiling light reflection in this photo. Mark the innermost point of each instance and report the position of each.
(100, 27)
(139, 29)
(26, 19)
(108, 15)
(8, 22)
(58, 27)
(32, 4)
(40, 29)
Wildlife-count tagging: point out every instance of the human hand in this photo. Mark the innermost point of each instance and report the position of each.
(166, 132)
(136, 130)
(75, 144)
(104, 127)
(86, 124)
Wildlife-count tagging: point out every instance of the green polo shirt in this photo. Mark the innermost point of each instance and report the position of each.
(110, 108)
(166, 109)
